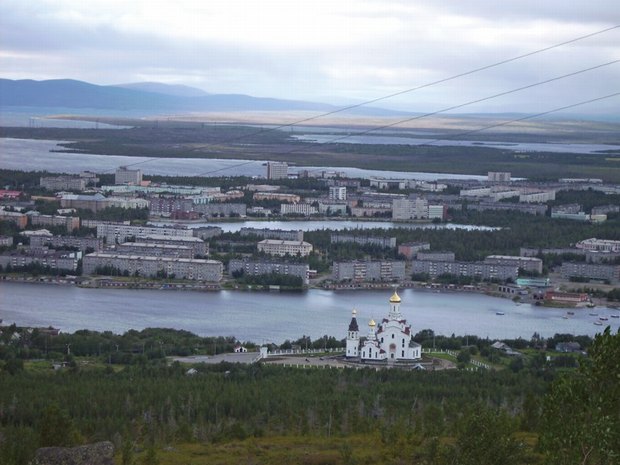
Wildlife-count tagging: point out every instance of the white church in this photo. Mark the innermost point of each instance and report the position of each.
(390, 341)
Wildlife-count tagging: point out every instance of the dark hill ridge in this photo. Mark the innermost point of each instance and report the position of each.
(154, 97)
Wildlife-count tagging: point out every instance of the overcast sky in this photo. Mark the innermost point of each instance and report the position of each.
(334, 51)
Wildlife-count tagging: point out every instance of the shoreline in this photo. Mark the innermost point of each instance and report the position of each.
(105, 282)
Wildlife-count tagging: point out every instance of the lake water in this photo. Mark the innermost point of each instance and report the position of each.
(37, 155)
(261, 316)
(515, 146)
(335, 225)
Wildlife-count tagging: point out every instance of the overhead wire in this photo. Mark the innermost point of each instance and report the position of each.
(395, 94)
(425, 115)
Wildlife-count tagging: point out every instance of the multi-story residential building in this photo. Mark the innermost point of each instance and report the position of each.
(281, 248)
(70, 223)
(154, 250)
(298, 209)
(125, 175)
(6, 241)
(56, 260)
(410, 249)
(593, 271)
(19, 219)
(370, 212)
(337, 193)
(409, 209)
(290, 198)
(598, 245)
(375, 270)
(498, 176)
(379, 241)
(198, 247)
(438, 256)
(81, 243)
(386, 184)
(118, 233)
(560, 215)
(430, 186)
(94, 203)
(530, 209)
(277, 170)
(332, 207)
(531, 264)
(165, 206)
(266, 233)
(207, 232)
(537, 196)
(473, 269)
(259, 267)
(221, 209)
(94, 223)
(62, 183)
(147, 266)
(437, 212)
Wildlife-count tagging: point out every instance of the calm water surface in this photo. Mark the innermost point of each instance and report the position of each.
(260, 316)
(35, 155)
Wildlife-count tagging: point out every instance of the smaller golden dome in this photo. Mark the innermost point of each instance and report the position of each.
(395, 299)
(372, 323)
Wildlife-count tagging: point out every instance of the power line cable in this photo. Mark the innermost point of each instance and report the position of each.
(412, 89)
(426, 115)
(516, 120)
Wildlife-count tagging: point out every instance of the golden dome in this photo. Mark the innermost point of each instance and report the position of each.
(372, 323)
(395, 299)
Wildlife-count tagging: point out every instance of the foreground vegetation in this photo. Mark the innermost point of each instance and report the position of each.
(157, 413)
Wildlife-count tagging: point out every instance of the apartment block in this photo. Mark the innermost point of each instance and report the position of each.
(259, 267)
(473, 269)
(118, 233)
(125, 175)
(266, 233)
(379, 241)
(593, 271)
(277, 170)
(372, 270)
(80, 243)
(532, 264)
(70, 223)
(147, 266)
(281, 248)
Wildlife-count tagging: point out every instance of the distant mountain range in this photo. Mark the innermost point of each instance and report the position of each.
(148, 97)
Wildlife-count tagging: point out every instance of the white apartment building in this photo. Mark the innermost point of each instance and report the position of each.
(337, 193)
(125, 175)
(598, 245)
(298, 208)
(410, 209)
(281, 248)
(277, 170)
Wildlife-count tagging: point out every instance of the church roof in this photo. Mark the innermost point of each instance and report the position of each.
(395, 299)
(353, 325)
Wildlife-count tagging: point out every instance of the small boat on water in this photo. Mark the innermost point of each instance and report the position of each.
(565, 317)
(500, 313)
(598, 323)
(603, 318)
(615, 316)
(570, 313)
(593, 314)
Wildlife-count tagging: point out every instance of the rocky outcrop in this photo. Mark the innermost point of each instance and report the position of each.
(100, 453)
